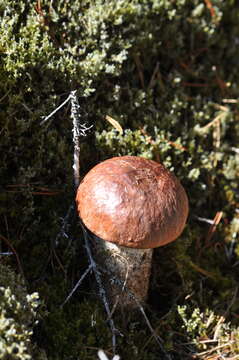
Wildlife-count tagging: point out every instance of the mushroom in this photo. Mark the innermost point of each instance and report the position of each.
(130, 205)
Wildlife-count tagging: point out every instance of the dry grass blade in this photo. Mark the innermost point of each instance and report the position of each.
(214, 349)
(140, 69)
(154, 76)
(230, 101)
(202, 271)
(114, 123)
(213, 227)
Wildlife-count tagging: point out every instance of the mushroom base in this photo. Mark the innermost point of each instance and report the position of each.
(130, 266)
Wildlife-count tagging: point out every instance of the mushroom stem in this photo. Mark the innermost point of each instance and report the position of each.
(130, 266)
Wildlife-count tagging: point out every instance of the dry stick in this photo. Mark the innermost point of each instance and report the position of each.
(55, 111)
(77, 284)
(101, 289)
(75, 114)
(65, 223)
(80, 130)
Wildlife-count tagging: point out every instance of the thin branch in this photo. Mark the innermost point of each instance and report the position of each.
(77, 284)
(101, 289)
(202, 219)
(4, 96)
(65, 224)
(79, 130)
(55, 111)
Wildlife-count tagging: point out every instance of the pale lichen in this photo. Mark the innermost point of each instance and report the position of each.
(18, 315)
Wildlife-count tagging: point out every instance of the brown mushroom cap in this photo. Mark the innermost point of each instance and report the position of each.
(132, 202)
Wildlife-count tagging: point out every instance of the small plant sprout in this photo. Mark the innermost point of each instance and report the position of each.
(131, 205)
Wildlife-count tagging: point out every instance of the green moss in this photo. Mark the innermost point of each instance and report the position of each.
(81, 329)
(165, 71)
